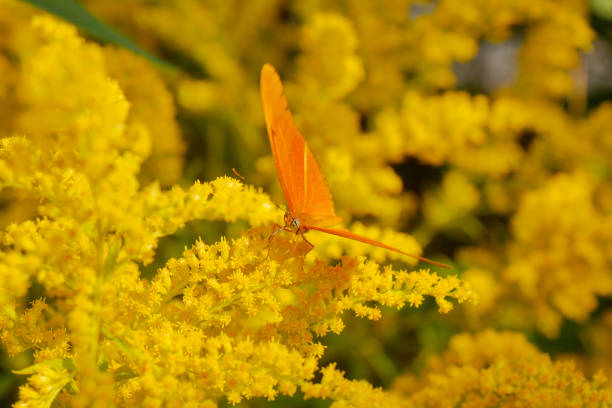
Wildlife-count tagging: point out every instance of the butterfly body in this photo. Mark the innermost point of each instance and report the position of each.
(308, 197)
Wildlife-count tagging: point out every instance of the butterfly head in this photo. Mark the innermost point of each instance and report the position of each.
(292, 222)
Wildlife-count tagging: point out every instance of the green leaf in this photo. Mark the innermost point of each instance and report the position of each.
(56, 363)
(73, 12)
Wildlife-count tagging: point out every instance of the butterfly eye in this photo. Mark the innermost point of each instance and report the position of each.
(295, 223)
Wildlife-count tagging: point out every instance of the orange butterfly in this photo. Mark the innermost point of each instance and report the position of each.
(310, 202)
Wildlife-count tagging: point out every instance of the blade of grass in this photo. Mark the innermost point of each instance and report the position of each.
(73, 12)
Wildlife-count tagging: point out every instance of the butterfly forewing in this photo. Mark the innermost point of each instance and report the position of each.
(299, 174)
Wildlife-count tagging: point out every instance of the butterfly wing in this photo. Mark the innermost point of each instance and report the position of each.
(299, 174)
(350, 235)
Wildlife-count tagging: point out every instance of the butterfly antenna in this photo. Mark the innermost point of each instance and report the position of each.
(238, 174)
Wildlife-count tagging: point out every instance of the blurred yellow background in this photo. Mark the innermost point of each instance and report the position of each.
(477, 130)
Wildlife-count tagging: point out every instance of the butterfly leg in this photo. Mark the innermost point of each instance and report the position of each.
(310, 244)
(278, 229)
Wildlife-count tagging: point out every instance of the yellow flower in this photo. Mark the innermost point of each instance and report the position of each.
(244, 322)
(232, 319)
(572, 243)
(326, 35)
(451, 205)
(151, 107)
(92, 149)
(491, 368)
(347, 393)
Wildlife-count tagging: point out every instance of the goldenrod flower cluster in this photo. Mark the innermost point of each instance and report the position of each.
(225, 320)
(124, 282)
(491, 369)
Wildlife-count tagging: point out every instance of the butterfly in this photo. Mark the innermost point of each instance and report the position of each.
(308, 197)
